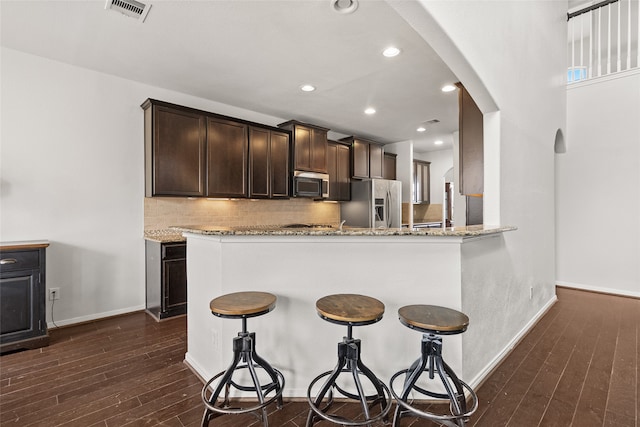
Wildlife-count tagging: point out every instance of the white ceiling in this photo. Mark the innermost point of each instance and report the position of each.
(255, 55)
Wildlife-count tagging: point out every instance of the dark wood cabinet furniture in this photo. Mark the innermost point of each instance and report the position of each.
(359, 159)
(389, 166)
(471, 145)
(421, 182)
(22, 296)
(175, 141)
(227, 158)
(194, 153)
(376, 160)
(339, 170)
(269, 169)
(367, 158)
(166, 278)
(309, 146)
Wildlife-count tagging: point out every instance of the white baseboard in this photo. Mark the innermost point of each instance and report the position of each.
(95, 316)
(475, 382)
(599, 289)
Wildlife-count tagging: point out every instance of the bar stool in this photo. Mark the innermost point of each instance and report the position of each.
(242, 305)
(349, 310)
(433, 321)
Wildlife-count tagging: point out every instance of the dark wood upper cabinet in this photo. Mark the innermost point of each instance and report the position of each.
(389, 163)
(360, 156)
(175, 162)
(471, 145)
(367, 158)
(309, 146)
(268, 163)
(376, 161)
(421, 182)
(339, 170)
(227, 158)
(280, 165)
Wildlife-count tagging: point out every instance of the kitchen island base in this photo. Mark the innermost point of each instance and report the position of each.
(465, 273)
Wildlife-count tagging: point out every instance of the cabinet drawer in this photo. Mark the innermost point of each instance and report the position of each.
(19, 260)
(174, 251)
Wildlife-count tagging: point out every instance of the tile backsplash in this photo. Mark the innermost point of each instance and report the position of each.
(422, 213)
(162, 212)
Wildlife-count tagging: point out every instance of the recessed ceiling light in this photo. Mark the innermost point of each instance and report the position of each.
(370, 111)
(448, 88)
(421, 129)
(438, 142)
(391, 51)
(307, 88)
(344, 6)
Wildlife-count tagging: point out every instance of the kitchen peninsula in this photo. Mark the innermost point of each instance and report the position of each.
(461, 268)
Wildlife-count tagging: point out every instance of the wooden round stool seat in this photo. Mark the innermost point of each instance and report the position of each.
(434, 319)
(243, 304)
(350, 309)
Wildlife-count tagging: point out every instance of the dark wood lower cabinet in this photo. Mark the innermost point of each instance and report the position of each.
(22, 298)
(166, 278)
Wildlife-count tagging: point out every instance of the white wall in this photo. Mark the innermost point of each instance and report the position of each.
(511, 57)
(72, 172)
(441, 162)
(598, 187)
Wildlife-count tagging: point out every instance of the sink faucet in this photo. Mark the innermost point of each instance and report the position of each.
(341, 224)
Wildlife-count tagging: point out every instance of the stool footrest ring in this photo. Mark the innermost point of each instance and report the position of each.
(336, 419)
(447, 420)
(279, 387)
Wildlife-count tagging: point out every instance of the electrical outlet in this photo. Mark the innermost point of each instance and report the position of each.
(54, 294)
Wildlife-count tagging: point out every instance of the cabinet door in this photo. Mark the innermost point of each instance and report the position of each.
(259, 154)
(389, 169)
(174, 298)
(421, 182)
(344, 173)
(280, 169)
(471, 145)
(175, 153)
(20, 306)
(339, 170)
(228, 150)
(318, 155)
(302, 149)
(360, 154)
(376, 160)
(332, 171)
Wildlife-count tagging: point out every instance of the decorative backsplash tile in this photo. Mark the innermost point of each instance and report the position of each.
(422, 213)
(163, 212)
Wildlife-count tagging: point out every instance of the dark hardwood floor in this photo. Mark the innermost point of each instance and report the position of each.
(578, 367)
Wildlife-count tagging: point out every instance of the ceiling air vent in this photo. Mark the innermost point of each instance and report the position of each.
(131, 8)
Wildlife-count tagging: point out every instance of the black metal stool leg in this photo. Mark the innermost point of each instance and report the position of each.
(412, 375)
(269, 370)
(243, 351)
(326, 387)
(349, 352)
(224, 382)
(457, 397)
(431, 362)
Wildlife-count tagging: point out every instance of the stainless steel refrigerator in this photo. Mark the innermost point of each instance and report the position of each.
(375, 203)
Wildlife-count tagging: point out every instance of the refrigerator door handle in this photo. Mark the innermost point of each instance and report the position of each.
(388, 209)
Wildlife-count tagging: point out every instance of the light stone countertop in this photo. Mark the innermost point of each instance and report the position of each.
(164, 236)
(275, 230)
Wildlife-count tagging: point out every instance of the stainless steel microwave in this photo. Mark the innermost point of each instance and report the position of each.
(310, 184)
